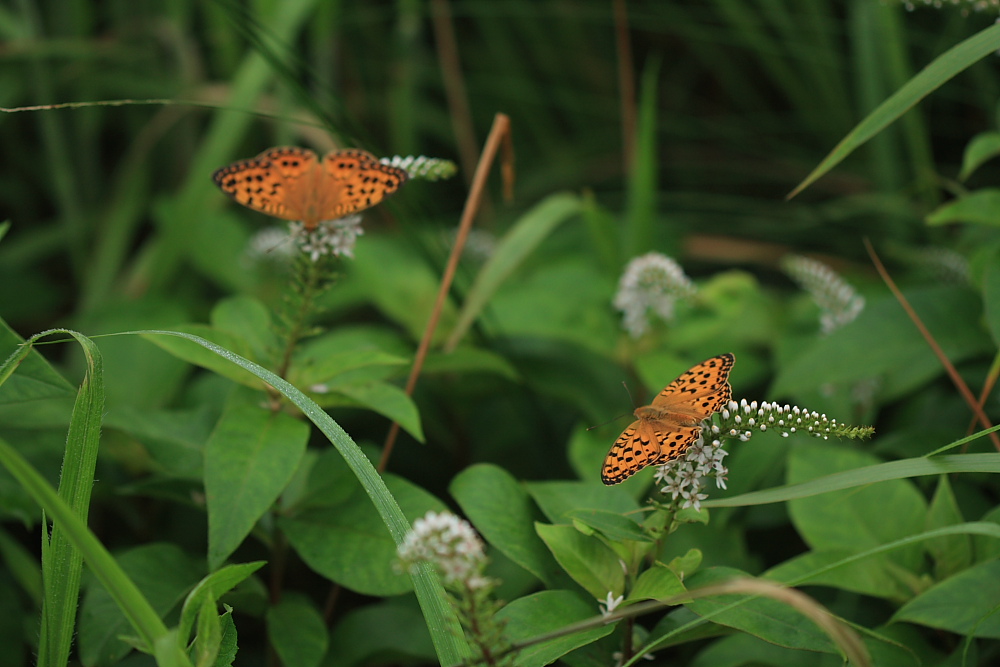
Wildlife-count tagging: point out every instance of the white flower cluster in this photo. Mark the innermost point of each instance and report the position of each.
(839, 301)
(334, 237)
(421, 166)
(685, 478)
(741, 420)
(450, 545)
(650, 282)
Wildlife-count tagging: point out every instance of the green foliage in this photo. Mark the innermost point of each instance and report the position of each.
(201, 474)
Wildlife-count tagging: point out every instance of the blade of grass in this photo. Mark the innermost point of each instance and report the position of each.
(62, 562)
(881, 472)
(642, 186)
(929, 79)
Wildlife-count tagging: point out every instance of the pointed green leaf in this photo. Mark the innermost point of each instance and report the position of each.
(249, 459)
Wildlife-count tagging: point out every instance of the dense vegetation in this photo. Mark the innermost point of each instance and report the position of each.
(218, 400)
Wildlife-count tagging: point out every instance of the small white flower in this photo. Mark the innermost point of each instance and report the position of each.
(609, 604)
(650, 282)
(336, 237)
(692, 498)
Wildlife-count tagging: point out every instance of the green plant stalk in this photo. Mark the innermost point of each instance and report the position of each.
(298, 320)
(62, 562)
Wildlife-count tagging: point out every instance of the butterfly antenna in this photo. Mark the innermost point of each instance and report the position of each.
(591, 428)
(627, 391)
(624, 384)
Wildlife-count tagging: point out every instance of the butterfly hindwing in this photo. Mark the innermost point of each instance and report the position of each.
(634, 449)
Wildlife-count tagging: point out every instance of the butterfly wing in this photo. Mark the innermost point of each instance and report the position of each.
(701, 391)
(271, 182)
(646, 442)
(355, 180)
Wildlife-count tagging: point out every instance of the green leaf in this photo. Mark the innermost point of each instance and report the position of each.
(559, 499)
(548, 611)
(325, 357)
(208, 640)
(13, 612)
(227, 647)
(297, 631)
(360, 637)
(22, 566)
(869, 576)
(400, 283)
(346, 544)
(586, 559)
(196, 354)
(966, 604)
(503, 513)
(898, 352)
(469, 360)
(991, 300)
(386, 399)
(953, 553)
(161, 571)
(844, 519)
(761, 617)
(210, 589)
(942, 69)
(249, 459)
(656, 583)
(980, 207)
(983, 147)
(520, 241)
(742, 649)
(36, 395)
(247, 319)
(612, 525)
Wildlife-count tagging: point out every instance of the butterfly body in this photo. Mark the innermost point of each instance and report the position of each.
(294, 184)
(665, 429)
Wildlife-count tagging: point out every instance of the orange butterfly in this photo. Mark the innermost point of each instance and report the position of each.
(293, 184)
(664, 430)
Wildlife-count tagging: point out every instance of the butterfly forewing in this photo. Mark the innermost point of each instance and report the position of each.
(359, 180)
(700, 391)
(666, 428)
